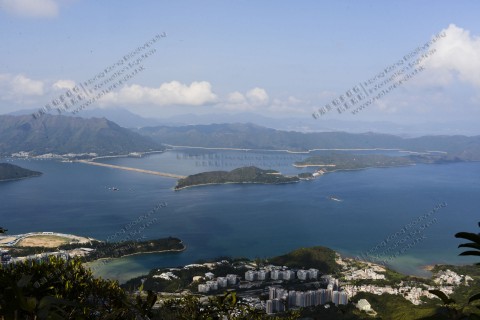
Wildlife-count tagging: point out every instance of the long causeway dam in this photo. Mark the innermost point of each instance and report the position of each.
(157, 173)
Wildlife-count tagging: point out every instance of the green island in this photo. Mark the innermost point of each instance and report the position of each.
(12, 172)
(239, 175)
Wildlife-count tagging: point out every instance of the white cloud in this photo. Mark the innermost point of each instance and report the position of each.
(251, 100)
(31, 8)
(63, 84)
(235, 98)
(257, 96)
(457, 57)
(19, 87)
(448, 84)
(170, 93)
(291, 105)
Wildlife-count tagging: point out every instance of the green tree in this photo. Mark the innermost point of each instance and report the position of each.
(450, 306)
(59, 289)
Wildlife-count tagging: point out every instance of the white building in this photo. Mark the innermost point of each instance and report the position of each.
(364, 305)
(222, 282)
(288, 275)
(302, 274)
(262, 275)
(209, 275)
(232, 279)
(203, 288)
(213, 285)
(313, 273)
(251, 275)
(276, 275)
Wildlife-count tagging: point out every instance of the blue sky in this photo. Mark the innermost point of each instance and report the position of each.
(275, 58)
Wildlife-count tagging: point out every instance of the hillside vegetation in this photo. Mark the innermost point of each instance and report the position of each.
(61, 134)
(12, 172)
(240, 175)
(320, 258)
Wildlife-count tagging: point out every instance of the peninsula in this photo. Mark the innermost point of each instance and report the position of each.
(12, 172)
(34, 245)
(239, 175)
(348, 161)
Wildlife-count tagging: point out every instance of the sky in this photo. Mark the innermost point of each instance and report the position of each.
(282, 59)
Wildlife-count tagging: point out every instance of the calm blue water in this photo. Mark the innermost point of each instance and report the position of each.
(246, 220)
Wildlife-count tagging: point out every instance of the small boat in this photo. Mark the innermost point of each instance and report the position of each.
(334, 198)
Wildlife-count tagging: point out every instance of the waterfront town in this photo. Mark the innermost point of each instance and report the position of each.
(270, 287)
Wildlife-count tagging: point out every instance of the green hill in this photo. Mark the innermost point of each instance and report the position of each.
(12, 172)
(61, 134)
(320, 258)
(240, 175)
(250, 136)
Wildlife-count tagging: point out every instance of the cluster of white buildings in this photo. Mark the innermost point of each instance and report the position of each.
(215, 284)
(280, 299)
(364, 274)
(451, 278)
(277, 274)
(166, 276)
(25, 154)
(413, 294)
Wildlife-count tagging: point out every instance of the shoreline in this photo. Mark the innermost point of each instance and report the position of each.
(306, 151)
(221, 183)
(22, 178)
(137, 253)
(380, 167)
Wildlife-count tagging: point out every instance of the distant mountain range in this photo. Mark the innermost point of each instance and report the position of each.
(249, 136)
(128, 119)
(66, 134)
(61, 134)
(12, 172)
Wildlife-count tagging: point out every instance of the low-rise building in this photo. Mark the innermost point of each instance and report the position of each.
(364, 305)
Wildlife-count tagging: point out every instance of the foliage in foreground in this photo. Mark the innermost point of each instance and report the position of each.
(59, 289)
(450, 306)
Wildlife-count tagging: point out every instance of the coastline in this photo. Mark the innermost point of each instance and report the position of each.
(221, 183)
(16, 179)
(127, 155)
(306, 151)
(379, 167)
(137, 253)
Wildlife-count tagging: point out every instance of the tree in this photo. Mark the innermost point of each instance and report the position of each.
(475, 245)
(59, 289)
(453, 310)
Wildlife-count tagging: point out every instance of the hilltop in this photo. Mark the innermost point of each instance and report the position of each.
(62, 134)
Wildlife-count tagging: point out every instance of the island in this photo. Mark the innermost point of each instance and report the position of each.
(349, 161)
(239, 175)
(12, 172)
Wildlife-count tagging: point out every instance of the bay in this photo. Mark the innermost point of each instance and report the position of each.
(246, 220)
